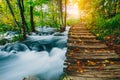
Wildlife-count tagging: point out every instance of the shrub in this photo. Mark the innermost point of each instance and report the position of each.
(17, 38)
(105, 27)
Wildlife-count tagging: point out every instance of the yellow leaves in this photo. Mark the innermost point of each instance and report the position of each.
(70, 67)
(12, 2)
(80, 70)
(86, 50)
(71, 54)
(2, 3)
(104, 65)
(106, 61)
(7, 19)
(97, 35)
(78, 62)
(91, 63)
(112, 62)
(100, 67)
(74, 42)
(109, 62)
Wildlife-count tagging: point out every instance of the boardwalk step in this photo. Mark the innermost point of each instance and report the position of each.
(91, 54)
(82, 31)
(79, 34)
(93, 37)
(78, 27)
(76, 33)
(93, 57)
(87, 46)
(87, 41)
(72, 49)
(95, 67)
(88, 50)
(96, 75)
(83, 43)
(78, 30)
(103, 71)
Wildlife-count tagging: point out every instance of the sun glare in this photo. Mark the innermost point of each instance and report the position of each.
(73, 11)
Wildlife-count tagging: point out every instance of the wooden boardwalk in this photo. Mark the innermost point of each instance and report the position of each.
(88, 58)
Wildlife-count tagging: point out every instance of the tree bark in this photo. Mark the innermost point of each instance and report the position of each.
(52, 7)
(22, 2)
(65, 14)
(60, 4)
(42, 16)
(22, 19)
(32, 19)
(60, 11)
(23, 10)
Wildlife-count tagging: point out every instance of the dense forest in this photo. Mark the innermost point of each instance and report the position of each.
(101, 16)
(23, 16)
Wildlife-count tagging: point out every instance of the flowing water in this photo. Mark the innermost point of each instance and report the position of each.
(40, 55)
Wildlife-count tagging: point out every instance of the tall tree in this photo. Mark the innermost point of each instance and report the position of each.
(60, 12)
(22, 18)
(60, 4)
(11, 11)
(65, 14)
(32, 19)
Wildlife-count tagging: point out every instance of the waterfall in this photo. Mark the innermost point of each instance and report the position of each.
(39, 55)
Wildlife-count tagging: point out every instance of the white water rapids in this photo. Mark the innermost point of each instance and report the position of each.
(41, 56)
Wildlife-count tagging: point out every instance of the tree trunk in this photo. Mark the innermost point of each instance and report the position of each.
(32, 19)
(42, 16)
(52, 7)
(11, 11)
(61, 15)
(65, 14)
(60, 12)
(22, 19)
(22, 3)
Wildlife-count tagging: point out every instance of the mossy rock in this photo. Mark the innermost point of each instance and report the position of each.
(3, 41)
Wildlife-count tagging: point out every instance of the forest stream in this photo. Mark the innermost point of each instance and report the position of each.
(41, 55)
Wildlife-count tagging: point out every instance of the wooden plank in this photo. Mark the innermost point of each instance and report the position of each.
(93, 57)
(97, 76)
(88, 37)
(91, 54)
(93, 72)
(108, 66)
(78, 28)
(85, 51)
(88, 41)
(97, 59)
(80, 31)
(87, 46)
